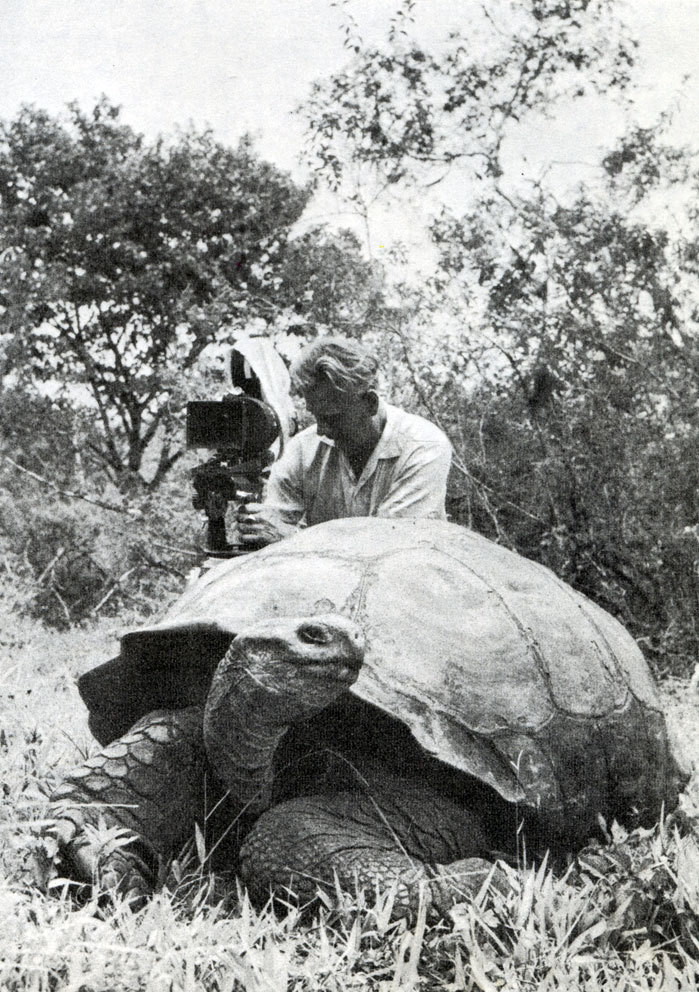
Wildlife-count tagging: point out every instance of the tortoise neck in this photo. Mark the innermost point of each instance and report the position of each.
(280, 673)
(242, 729)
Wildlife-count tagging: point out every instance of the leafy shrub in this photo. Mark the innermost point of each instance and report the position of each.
(72, 560)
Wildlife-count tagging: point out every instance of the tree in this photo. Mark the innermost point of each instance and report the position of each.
(411, 114)
(578, 441)
(327, 281)
(566, 371)
(124, 259)
(556, 340)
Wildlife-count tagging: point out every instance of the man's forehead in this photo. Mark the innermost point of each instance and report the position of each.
(325, 395)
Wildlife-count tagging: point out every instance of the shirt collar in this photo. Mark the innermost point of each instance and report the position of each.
(388, 445)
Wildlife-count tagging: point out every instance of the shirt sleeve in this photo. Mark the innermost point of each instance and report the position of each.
(419, 485)
(285, 484)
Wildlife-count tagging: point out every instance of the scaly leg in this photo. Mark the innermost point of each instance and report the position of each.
(401, 834)
(149, 783)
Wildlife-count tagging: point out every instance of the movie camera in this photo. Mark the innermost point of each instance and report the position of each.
(246, 430)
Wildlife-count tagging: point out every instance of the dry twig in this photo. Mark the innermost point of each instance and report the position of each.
(71, 494)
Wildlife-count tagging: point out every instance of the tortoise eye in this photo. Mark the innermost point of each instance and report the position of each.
(314, 633)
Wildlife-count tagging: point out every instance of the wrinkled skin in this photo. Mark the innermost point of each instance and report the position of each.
(358, 821)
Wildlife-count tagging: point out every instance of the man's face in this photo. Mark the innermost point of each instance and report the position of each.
(345, 419)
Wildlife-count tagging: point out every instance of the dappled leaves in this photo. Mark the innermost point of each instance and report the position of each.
(407, 111)
(564, 368)
(123, 259)
(113, 241)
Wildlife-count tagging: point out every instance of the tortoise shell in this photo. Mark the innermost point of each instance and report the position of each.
(498, 668)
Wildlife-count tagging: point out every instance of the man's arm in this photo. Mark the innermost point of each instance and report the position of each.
(260, 524)
(419, 485)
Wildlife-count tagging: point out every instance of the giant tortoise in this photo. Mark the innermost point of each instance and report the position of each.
(375, 701)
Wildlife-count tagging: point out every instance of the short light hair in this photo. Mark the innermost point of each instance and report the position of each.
(341, 362)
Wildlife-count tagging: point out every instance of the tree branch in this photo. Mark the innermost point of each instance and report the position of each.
(71, 494)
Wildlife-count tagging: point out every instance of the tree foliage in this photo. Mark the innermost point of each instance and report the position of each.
(124, 259)
(572, 399)
(70, 552)
(556, 339)
(408, 111)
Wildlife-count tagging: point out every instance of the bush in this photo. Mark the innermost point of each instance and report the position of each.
(602, 492)
(71, 560)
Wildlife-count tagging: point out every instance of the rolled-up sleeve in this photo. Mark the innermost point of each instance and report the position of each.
(284, 490)
(419, 483)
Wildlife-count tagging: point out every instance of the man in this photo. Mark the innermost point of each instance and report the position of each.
(363, 457)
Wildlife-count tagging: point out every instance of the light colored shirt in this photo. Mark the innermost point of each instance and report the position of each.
(405, 476)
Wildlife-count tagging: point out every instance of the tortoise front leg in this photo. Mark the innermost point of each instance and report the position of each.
(150, 783)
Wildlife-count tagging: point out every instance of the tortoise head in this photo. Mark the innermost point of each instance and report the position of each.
(277, 672)
(309, 657)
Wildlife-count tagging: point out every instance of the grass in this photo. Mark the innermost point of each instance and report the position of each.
(630, 924)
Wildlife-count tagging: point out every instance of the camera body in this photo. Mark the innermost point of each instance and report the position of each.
(246, 430)
(240, 430)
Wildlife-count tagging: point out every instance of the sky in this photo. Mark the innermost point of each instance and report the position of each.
(244, 66)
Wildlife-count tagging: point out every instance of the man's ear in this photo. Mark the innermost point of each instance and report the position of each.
(371, 398)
